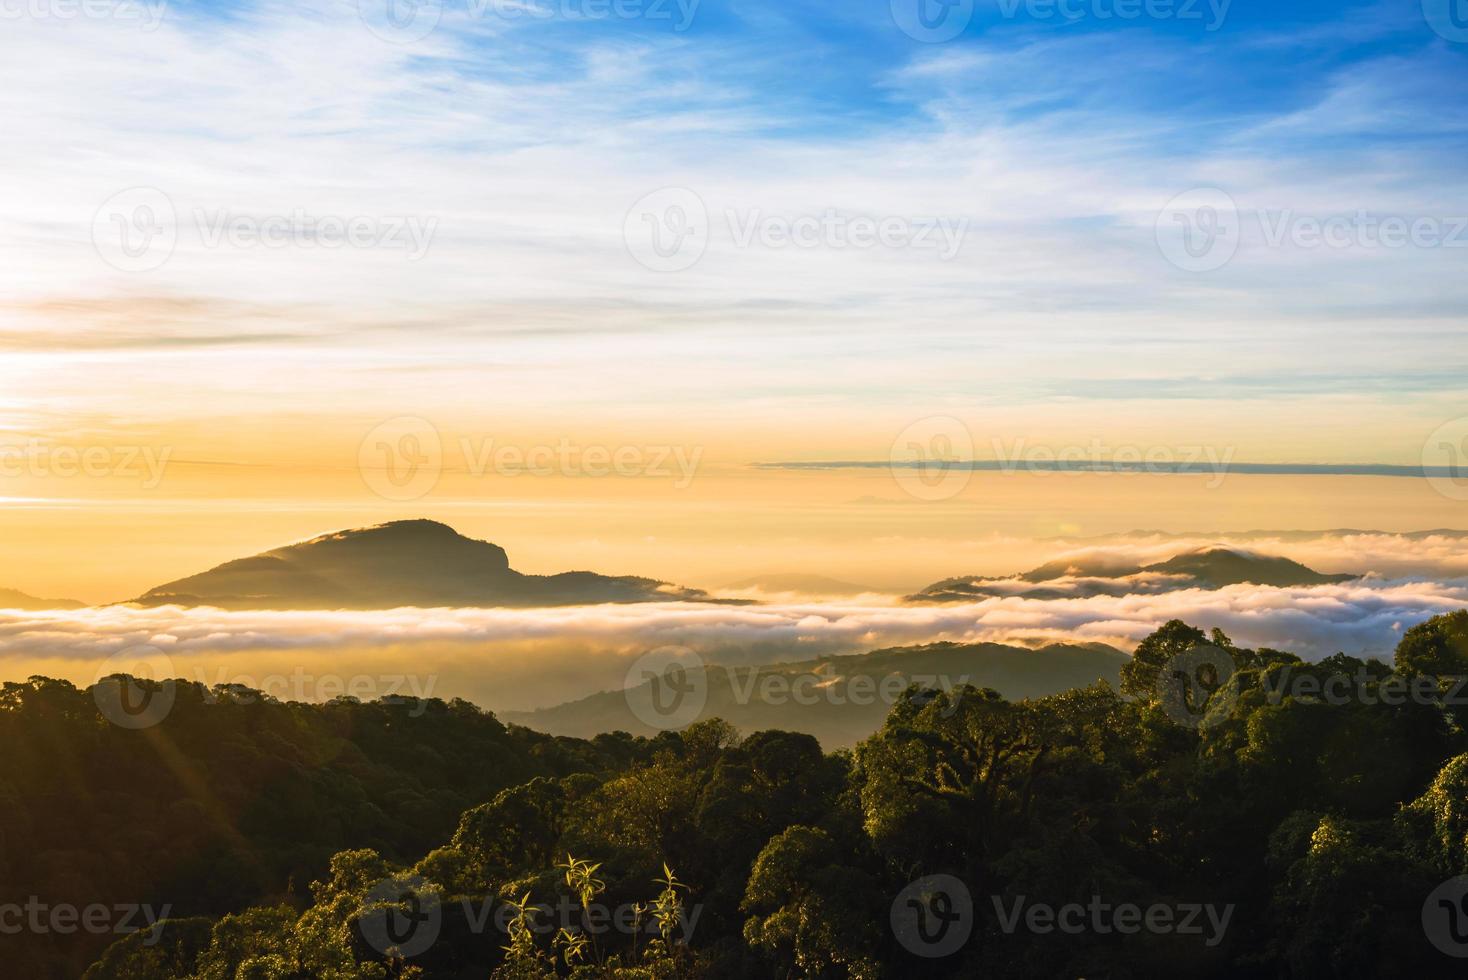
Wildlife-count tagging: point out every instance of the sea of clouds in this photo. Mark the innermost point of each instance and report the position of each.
(527, 658)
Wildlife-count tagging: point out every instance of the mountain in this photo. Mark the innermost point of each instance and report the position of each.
(818, 697)
(1217, 567)
(1207, 568)
(13, 599)
(401, 563)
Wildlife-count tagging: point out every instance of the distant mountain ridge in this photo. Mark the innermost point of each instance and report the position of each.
(1208, 568)
(400, 563)
(831, 709)
(15, 599)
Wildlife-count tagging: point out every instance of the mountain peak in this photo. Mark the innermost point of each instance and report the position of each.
(1212, 567)
(400, 563)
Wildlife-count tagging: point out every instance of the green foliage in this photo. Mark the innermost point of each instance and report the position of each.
(1438, 647)
(1320, 812)
(1140, 677)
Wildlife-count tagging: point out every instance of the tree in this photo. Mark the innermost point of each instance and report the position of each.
(1140, 676)
(1438, 647)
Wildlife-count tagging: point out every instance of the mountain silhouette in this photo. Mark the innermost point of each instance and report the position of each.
(1207, 568)
(14, 599)
(829, 705)
(401, 563)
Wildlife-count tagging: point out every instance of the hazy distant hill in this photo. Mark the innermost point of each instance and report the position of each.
(827, 703)
(1210, 568)
(402, 563)
(13, 599)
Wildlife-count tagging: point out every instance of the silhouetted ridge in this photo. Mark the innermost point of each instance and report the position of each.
(401, 563)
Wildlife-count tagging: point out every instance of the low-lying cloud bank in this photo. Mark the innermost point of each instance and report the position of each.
(525, 658)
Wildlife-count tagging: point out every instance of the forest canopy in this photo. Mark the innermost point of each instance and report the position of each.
(1227, 812)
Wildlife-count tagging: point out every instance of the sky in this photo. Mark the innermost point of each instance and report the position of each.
(256, 257)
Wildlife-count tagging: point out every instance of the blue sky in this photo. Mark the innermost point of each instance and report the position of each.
(1066, 156)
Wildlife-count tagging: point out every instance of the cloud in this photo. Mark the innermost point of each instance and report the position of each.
(526, 658)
